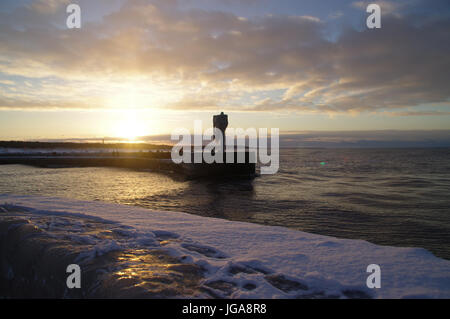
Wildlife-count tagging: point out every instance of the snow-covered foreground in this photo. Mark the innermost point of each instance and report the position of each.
(259, 261)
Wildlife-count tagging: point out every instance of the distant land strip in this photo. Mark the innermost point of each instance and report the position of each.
(73, 145)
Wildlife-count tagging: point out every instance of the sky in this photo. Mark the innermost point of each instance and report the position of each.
(139, 68)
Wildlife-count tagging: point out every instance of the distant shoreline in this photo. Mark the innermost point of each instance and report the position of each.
(83, 145)
(146, 146)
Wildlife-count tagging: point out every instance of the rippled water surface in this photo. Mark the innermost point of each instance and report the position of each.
(392, 197)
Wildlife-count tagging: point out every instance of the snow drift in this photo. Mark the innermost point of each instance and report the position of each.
(224, 259)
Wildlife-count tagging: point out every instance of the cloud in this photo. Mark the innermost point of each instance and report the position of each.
(417, 113)
(199, 59)
(358, 139)
(353, 139)
(387, 7)
(48, 6)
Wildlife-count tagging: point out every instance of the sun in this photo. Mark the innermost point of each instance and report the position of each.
(134, 112)
(130, 131)
(130, 126)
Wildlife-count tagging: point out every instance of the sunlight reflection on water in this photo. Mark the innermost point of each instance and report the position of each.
(391, 197)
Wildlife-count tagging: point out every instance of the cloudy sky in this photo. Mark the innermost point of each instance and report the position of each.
(146, 67)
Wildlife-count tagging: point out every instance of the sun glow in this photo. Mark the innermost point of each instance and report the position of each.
(133, 112)
(131, 127)
(133, 124)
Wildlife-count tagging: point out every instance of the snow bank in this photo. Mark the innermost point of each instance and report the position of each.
(244, 260)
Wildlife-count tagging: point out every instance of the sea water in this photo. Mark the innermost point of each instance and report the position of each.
(396, 197)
